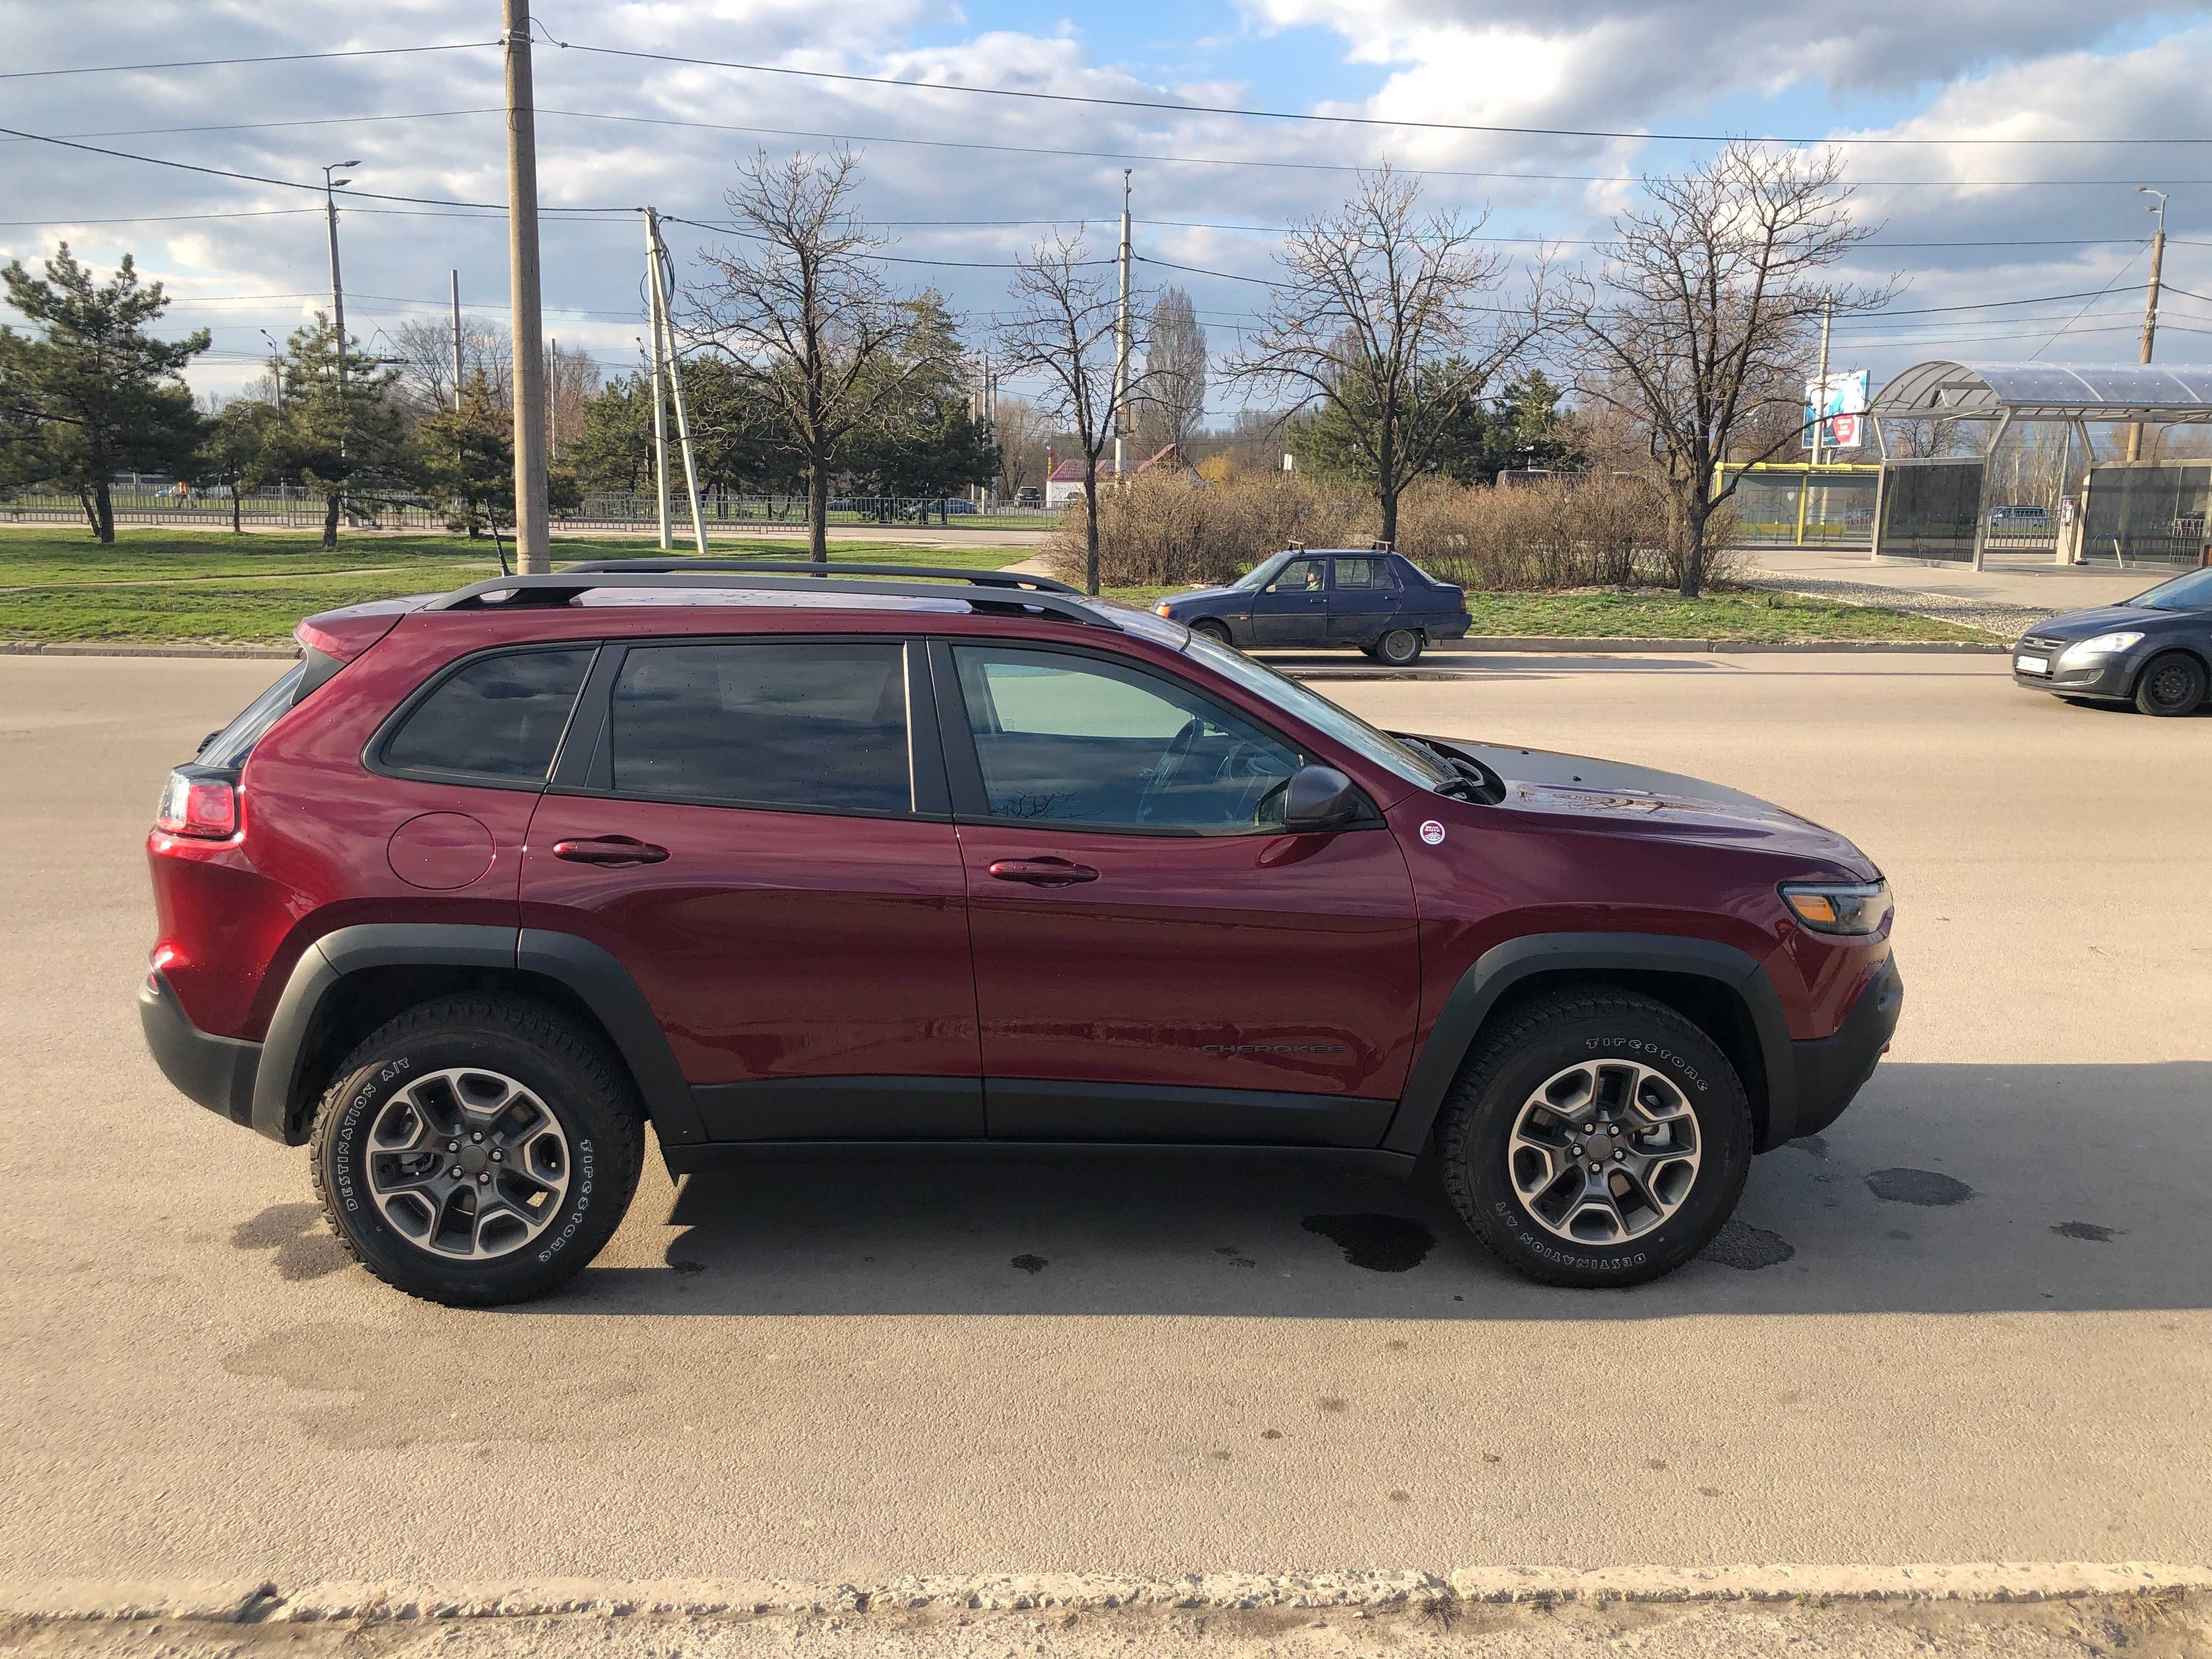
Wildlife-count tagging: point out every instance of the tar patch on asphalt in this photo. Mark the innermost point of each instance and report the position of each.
(1922, 1186)
(1380, 1243)
(1739, 1245)
(1030, 1264)
(2090, 1231)
(304, 1246)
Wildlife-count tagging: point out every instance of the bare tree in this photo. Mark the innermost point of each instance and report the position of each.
(805, 320)
(1920, 440)
(1703, 315)
(424, 346)
(1023, 432)
(1060, 329)
(1174, 374)
(1384, 319)
(571, 378)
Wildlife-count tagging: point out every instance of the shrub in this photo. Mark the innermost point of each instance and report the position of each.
(1171, 530)
(1604, 530)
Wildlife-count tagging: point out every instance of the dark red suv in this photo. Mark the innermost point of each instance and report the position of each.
(490, 881)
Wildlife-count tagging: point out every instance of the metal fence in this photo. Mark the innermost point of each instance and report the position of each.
(598, 510)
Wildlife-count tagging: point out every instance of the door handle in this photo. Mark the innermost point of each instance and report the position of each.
(608, 850)
(1043, 872)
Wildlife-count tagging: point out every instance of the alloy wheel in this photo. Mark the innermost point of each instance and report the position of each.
(467, 1163)
(1603, 1152)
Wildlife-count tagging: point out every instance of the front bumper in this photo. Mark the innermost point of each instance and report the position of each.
(1831, 1071)
(217, 1071)
(2104, 677)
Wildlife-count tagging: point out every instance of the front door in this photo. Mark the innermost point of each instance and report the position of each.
(750, 835)
(1154, 963)
(1293, 609)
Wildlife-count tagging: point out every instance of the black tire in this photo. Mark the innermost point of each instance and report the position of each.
(1217, 632)
(567, 1069)
(2171, 683)
(1542, 1038)
(1401, 647)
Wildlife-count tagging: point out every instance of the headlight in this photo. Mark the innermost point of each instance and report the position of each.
(1857, 906)
(2083, 652)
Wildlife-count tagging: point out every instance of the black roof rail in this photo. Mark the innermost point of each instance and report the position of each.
(995, 598)
(677, 565)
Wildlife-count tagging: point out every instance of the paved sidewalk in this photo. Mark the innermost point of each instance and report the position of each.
(2003, 598)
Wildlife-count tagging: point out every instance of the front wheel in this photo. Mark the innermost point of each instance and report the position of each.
(2172, 684)
(1217, 632)
(1400, 647)
(477, 1150)
(1595, 1137)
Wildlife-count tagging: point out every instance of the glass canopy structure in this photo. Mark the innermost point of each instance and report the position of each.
(1939, 509)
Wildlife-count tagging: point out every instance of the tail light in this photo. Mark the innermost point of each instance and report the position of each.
(199, 803)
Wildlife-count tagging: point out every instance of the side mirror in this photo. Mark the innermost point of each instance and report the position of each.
(1317, 799)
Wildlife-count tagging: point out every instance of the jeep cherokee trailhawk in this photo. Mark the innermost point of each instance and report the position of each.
(490, 881)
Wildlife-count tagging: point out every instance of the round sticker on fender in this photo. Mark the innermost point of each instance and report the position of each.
(1432, 832)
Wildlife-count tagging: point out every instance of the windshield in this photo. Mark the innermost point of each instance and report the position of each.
(2192, 592)
(1260, 573)
(1318, 712)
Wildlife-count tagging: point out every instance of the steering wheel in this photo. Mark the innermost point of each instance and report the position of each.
(1171, 763)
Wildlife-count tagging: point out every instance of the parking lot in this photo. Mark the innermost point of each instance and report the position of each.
(1971, 1322)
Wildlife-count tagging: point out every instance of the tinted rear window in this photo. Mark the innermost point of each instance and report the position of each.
(499, 717)
(819, 726)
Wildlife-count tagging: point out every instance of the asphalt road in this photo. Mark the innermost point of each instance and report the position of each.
(839, 1371)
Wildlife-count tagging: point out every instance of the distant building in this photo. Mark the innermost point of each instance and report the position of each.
(1065, 483)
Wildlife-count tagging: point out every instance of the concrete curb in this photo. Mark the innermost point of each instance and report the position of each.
(39, 648)
(246, 1600)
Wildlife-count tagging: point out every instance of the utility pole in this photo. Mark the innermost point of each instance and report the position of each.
(2150, 304)
(338, 286)
(552, 402)
(455, 277)
(1819, 423)
(1121, 344)
(533, 552)
(658, 272)
(659, 411)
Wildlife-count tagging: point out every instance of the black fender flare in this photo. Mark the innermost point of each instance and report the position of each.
(1501, 967)
(592, 973)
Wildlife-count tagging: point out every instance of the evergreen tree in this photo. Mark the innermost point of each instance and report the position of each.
(91, 393)
(339, 438)
(467, 456)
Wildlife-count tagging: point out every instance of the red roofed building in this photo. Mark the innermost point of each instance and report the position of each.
(1065, 483)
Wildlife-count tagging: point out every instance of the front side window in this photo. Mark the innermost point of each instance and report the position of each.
(498, 719)
(1073, 740)
(1301, 576)
(1301, 703)
(817, 725)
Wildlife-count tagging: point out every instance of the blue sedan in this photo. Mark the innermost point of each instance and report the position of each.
(1379, 601)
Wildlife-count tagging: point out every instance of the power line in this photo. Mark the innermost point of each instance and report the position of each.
(263, 126)
(285, 184)
(1305, 116)
(885, 258)
(213, 62)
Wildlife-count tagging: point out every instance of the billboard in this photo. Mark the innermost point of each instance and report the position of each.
(1839, 404)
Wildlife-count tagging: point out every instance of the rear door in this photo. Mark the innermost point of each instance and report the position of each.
(757, 829)
(1293, 609)
(1153, 961)
(1365, 598)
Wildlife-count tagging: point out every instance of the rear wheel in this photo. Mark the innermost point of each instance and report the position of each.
(1399, 647)
(1597, 1137)
(2172, 684)
(477, 1150)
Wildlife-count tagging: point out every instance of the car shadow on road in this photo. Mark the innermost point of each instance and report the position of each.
(1948, 1188)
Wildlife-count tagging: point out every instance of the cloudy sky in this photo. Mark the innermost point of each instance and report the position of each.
(1987, 213)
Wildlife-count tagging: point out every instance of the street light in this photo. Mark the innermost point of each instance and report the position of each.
(276, 365)
(338, 288)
